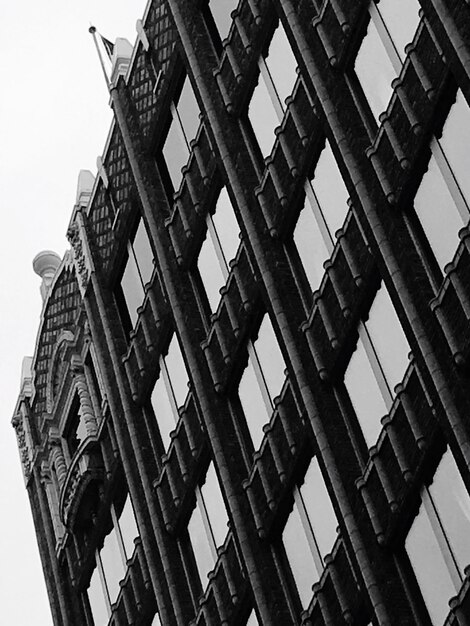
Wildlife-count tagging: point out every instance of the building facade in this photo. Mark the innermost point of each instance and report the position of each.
(249, 397)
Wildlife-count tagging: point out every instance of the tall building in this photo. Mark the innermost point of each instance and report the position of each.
(249, 397)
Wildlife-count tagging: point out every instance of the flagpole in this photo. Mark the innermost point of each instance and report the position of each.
(92, 30)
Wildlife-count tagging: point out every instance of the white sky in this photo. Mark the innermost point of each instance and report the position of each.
(54, 120)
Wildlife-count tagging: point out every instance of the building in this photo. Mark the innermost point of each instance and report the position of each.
(249, 398)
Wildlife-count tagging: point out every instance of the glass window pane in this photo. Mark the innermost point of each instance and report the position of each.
(455, 141)
(330, 190)
(429, 568)
(143, 253)
(365, 394)
(188, 111)
(177, 371)
(176, 153)
(282, 64)
(263, 117)
(113, 565)
(163, 411)
(310, 246)
(253, 405)
(438, 214)
(299, 556)
(252, 620)
(201, 547)
(215, 506)
(128, 527)
(97, 599)
(374, 71)
(452, 502)
(319, 508)
(226, 226)
(270, 358)
(132, 288)
(401, 19)
(388, 338)
(211, 274)
(221, 10)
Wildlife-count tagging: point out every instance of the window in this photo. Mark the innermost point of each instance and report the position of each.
(76, 428)
(170, 390)
(276, 82)
(377, 365)
(442, 200)
(262, 380)
(437, 544)
(310, 531)
(392, 25)
(208, 524)
(323, 214)
(137, 273)
(111, 563)
(183, 128)
(221, 11)
(218, 249)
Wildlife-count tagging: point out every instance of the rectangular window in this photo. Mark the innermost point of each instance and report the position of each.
(219, 248)
(437, 544)
(183, 129)
(310, 531)
(278, 74)
(208, 524)
(377, 366)
(170, 390)
(392, 25)
(137, 273)
(262, 380)
(442, 200)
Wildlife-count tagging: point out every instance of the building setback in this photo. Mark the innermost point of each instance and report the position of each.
(249, 397)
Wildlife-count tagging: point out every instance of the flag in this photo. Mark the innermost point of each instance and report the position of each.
(108, 46)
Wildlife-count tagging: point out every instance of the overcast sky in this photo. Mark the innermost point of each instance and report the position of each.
(54, 120)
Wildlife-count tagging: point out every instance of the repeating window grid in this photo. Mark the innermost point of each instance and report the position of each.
(441, 538)
(309, 534)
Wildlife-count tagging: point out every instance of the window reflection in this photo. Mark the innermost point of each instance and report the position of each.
(183, 129)
(442, 200)
(377, 366)
(310, 532)
(219, 248)
(111, 563)
(96, 597)
(221, 12)
(391, 27)
(276, 82)
(208, 524)
(170, 390)
(211, 272)
(437, 544)
(310, 246)
(137, 271)
(76, 428)
(262, 380)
